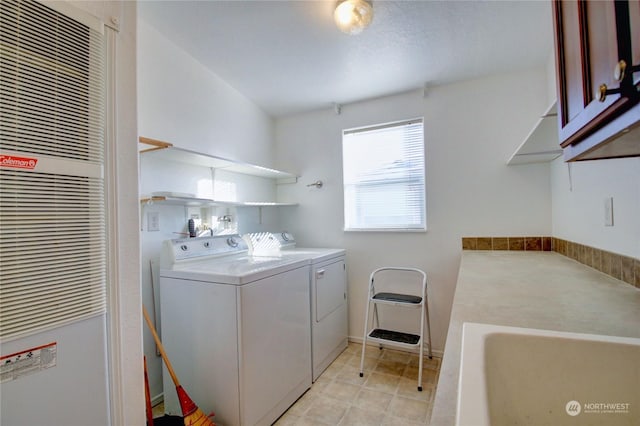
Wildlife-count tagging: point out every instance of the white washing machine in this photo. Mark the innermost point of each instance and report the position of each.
(236, 329)
(328, 288)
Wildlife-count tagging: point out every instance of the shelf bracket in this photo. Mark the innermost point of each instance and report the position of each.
(287, 181)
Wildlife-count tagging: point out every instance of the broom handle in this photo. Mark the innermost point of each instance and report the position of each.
(160, 347)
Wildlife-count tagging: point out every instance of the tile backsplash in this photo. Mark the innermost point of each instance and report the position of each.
(507, 243)
(624, 268)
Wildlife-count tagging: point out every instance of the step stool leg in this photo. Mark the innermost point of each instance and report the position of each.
(364, 339)
(420, 370)
(421, 352)
(426, 310)
(364, 345)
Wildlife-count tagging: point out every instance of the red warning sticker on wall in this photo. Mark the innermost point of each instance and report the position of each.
(16, 162)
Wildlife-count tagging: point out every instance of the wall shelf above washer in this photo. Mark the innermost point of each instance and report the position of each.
(192, 201)
(154, 148)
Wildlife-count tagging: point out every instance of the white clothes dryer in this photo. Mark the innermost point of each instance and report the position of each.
(328, 289)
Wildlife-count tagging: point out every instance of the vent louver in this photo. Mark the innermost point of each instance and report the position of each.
(52, 223)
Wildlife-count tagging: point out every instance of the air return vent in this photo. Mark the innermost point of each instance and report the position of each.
(52, 211)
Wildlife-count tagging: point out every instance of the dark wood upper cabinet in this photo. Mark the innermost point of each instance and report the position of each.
(597, 52)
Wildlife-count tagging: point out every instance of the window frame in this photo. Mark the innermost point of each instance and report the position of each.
(405, 228)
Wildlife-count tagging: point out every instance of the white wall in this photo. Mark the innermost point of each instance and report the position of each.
(182, 102)
(471, 129)
(578, 193)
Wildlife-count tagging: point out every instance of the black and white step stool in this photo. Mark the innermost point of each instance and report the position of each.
(392, 337)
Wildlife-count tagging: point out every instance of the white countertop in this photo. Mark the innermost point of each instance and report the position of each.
(542, 290)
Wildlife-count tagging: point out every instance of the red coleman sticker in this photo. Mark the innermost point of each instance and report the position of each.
(18, 162)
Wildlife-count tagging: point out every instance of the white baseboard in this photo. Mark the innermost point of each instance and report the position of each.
(157, 399)
(437, 353)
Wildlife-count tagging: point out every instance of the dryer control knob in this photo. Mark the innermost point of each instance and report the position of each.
(232, 242)
(287, 236)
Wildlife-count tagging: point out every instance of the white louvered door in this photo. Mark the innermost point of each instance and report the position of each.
(52, 201)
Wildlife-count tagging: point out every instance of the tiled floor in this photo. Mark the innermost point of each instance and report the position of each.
(387, 395)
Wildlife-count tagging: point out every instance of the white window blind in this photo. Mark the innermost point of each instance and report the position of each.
(383, 175)
(52, 213)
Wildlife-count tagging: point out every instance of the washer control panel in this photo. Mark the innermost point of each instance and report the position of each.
(191, 248)
(286, 239)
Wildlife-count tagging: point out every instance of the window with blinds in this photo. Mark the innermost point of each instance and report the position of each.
(383, 175)
(52, 208)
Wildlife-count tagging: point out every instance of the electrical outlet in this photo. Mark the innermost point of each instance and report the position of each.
(608, 211)
(153, 221)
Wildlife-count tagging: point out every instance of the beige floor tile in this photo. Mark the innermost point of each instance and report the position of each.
(409, 409)
(374, 401)
(303, 403)
(353, 348)
(306, 421)
(327, 410)
(369, 362)
(344, 357)
(158, 410)
(409, 389)
(397, 356)
(372, 352)
(351, 374)
(390, 420)
(433, 363)
(411, 372)
(359, 417)
(382, 382)
(340, 390)
(428, 375)
(287, 419)
(390, 367)
(341, 397)
(321, 383)
(331, 371)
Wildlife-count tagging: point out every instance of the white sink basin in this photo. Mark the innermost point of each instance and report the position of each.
(524, 376)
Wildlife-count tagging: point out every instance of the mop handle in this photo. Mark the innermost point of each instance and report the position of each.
(160, 347)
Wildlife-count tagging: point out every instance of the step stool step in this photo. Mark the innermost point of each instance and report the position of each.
(397, 297)
(395, 336)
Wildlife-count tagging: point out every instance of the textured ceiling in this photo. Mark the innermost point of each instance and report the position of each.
(288, 56)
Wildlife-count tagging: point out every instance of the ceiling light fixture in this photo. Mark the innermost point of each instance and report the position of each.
(353, 16)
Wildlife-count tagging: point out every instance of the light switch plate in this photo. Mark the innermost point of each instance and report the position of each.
(153, 221)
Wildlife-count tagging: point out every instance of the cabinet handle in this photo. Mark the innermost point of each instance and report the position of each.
(621, 70)
(319, 274)
(603, 92)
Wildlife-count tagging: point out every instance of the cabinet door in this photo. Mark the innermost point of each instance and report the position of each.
(587, 51)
